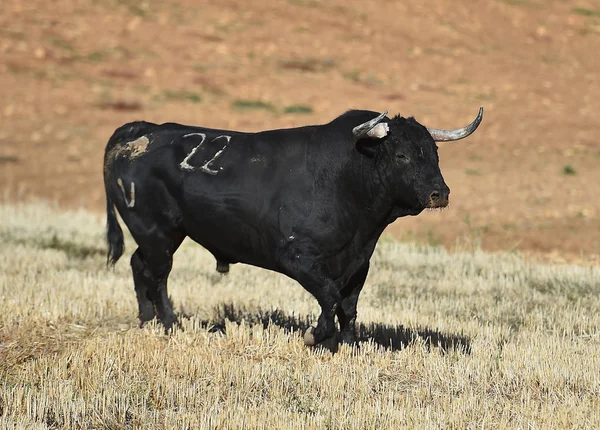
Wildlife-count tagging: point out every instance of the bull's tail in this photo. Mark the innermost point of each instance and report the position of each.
(114, 234)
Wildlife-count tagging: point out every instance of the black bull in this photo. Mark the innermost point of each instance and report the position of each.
(309, 202)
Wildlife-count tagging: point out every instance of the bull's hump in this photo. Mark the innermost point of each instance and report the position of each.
(356, 116)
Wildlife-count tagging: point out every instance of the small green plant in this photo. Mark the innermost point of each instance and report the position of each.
(96, 56)
(306, 3)
(586, 12)
(510, 226)
(474, 234)
(500, 351)
(551, 59)
(309, 64)
(242, 104)
(63, 44)
(182, 95)
(134, 8)
(434, 238)
(569, 170)
(484, 97)
(301, 109)
(367, 79)
(9, 159)
(515, 2)
(354, 75)
(472, 172)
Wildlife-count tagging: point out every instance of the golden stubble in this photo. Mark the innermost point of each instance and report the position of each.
(71, 355)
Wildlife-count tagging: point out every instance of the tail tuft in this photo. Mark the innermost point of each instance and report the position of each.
(114, 235)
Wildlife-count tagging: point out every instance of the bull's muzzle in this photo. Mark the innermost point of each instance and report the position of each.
(439, 198)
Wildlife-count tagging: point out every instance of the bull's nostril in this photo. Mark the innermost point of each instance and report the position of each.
(438, 199)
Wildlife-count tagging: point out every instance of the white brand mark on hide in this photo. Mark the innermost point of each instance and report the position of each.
(185, 165)
(131, 202)
(205, 167)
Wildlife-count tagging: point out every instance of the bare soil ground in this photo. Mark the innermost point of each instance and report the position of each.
(72, 71)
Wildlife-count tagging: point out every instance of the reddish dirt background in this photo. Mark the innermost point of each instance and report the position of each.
(72, 72)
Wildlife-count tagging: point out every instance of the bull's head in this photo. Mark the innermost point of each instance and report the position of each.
(407, 159)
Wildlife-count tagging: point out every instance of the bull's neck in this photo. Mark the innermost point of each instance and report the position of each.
(370, 195)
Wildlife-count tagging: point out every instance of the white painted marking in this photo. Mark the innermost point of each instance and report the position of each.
(136, 147)
(184, 164)
(131, 202)
(132, 195)
(205, 167)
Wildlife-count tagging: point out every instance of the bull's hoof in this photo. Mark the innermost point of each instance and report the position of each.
(146, 314)
(349, 338)
(330, 343)
(309, 337)
(222, 267)
(169, 322)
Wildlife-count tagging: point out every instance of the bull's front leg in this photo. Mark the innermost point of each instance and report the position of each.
(328, 295)
(346, 312)
(325, 328)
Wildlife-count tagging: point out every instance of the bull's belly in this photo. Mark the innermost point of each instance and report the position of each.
(234, 242)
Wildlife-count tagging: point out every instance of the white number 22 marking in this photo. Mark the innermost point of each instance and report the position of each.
(185, 165)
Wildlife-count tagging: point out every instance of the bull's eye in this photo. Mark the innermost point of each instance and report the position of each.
(400, 157)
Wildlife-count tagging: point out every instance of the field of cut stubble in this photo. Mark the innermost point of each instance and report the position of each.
(463, 339)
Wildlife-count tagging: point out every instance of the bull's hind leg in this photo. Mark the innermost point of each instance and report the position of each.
(151, 264)
(141, 279)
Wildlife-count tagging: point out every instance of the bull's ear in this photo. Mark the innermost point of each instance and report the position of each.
(370, 142)
(365, 148)
(370, 134)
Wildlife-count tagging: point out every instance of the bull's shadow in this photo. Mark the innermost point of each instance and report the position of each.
(392, 338)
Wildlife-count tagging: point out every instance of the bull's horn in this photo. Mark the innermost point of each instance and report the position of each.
(360, 130)
(460, 133)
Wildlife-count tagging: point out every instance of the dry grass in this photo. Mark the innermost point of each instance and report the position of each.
(489, 341)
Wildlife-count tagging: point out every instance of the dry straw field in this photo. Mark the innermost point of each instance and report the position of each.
(461, 339)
